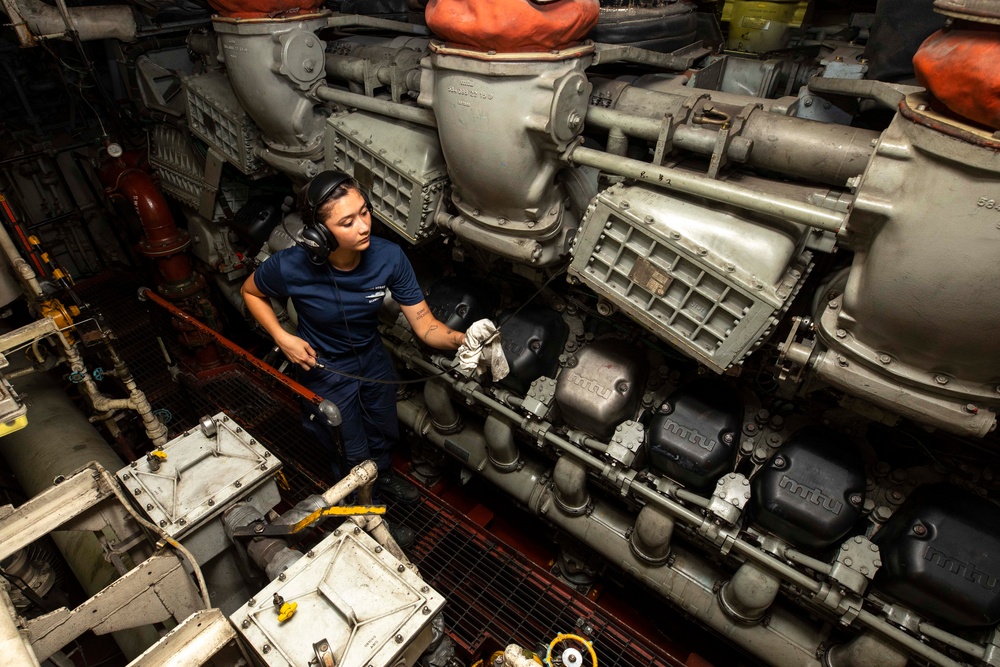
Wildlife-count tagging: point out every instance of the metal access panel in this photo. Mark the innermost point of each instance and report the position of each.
(399, 165)
(357, 606)
(216, 116)
(708, 281)
(179, 169)
(206, 470)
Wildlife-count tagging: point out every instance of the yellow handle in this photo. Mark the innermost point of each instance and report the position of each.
(287, 611)
(159, 453)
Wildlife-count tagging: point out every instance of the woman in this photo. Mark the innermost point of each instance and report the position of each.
(337, 278)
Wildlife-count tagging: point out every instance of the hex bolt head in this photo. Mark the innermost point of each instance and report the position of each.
(245, 624)
(282, 577)
(728, 438)
(885, 358)
(266, 648)
(357, 530)
(401, 568)
(138, 491)
(251, 602)
(378, 550)
(259, 528)
(779, 462)
(162, 523)
(310, 553)
(941, 379)
(856, 499)
(399, 639)
(149, 506)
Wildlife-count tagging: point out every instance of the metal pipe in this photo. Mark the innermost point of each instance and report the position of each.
(910, 643)
(34, 20)
(375, 105)
(948, 639)
(21, 267)
(808, 561)
(824, 152)
(701, 186)
(362, 21)
(296, 388)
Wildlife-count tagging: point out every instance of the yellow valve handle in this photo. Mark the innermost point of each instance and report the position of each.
(159, 453)
(336, 510)
(287, 611)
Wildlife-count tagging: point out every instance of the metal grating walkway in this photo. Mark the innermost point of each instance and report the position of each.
(494, 594)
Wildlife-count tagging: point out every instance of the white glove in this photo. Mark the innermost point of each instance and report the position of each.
(482, 350)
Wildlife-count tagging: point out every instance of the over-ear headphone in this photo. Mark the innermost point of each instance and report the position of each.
(316, 238)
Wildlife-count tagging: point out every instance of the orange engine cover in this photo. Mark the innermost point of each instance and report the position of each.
(264, 9)
(952, 64)
(512, 26)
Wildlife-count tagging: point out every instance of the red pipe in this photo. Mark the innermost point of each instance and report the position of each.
(165, 244)
(224, 342)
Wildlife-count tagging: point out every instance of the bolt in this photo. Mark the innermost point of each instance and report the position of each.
(245, 624)
(808, 102)
(841, 333)
(400, 569)
(425, 610)
(773, 440)
(971, 409)
(162, 523)
(259, 528)
(310, 553)
(779, 462)
(399, 639)
(149, 506)
(211, 501)
(842, 361)
(884, 358)
(266, 648)
(941, 379)
(378, 550)
(848, 562)
(282, 577)
(856, 499)
(182, 522)
(238, 484)
(749, 428)
(920, 529)
(727, 438)
(357, 530)
(138, 491)
(251, 602)
(425, 589)
(666, 409)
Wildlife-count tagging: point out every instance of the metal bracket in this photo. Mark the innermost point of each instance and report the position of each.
(731, 494)
(665, 140)
(158, 589)
(626, 443)
(538, 400)
(729, 131)
(857, 562)
(210, 180)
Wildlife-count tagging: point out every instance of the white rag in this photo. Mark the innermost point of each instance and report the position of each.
(482, 350)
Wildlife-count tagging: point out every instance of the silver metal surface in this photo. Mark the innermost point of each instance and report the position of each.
(352, 595)
(201, 476)
(204, 638)
(709, 280)
(731, 495)
(399, 166)
(216, 116)
(601, 387)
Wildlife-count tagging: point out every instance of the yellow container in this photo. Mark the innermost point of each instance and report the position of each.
(759, 27)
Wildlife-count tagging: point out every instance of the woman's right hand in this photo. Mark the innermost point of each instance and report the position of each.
(297, 351)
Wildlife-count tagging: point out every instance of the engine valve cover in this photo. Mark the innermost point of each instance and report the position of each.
(694, 437)
(602, 388)
(532, 340)
(941, 556)
(811, 492)
(457, 302)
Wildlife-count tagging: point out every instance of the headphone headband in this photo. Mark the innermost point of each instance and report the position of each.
(321, 187)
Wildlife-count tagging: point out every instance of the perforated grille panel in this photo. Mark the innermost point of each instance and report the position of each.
(684, 292)
(216, 116)
(400, 166)
(179, 169)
